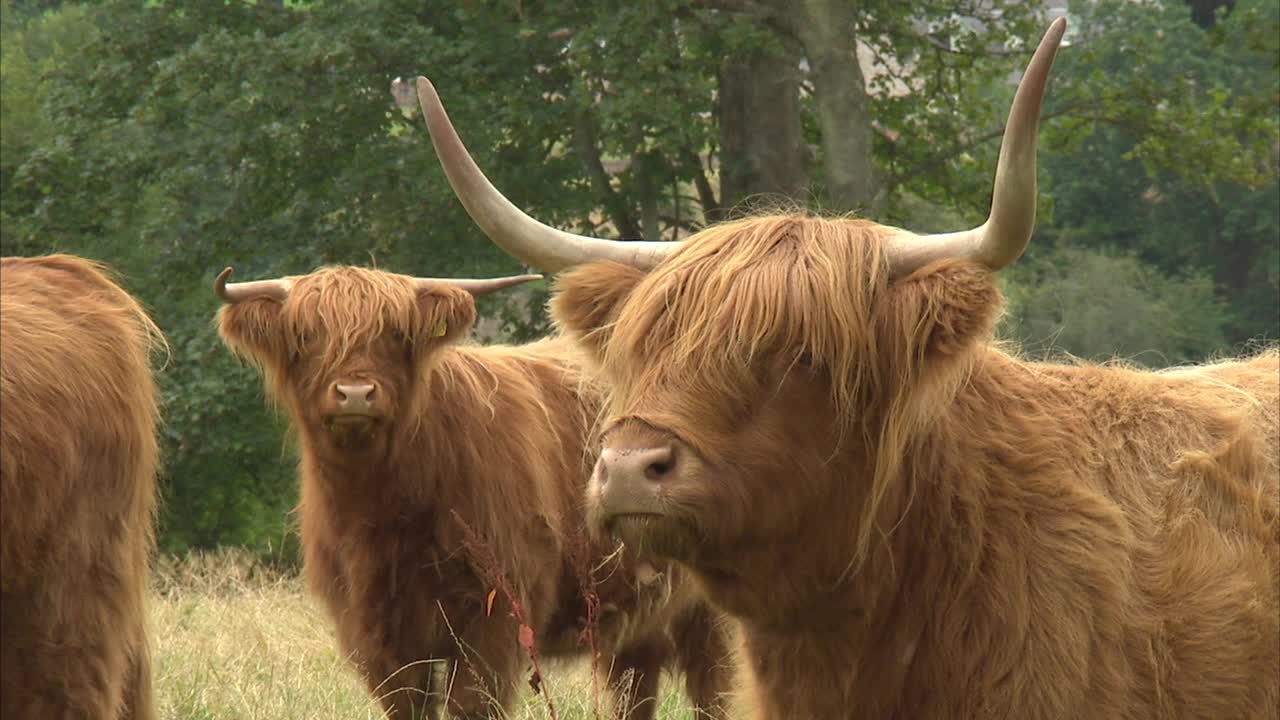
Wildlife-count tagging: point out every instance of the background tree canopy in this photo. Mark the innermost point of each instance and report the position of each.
(173, 139)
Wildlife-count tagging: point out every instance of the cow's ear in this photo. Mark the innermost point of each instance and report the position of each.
(938, 313)
(445, 314)
(252, 330)
(585, 300)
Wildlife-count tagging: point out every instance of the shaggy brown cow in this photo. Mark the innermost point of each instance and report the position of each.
(907, 520)
(78, 458)
(431, 471)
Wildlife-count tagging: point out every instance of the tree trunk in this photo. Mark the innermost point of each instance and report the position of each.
(642, 165)
(826, 30)
(1205, 12)
(588, 149)
(762, 148)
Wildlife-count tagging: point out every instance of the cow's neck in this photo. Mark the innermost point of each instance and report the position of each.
(820, 645)
(421, 460)
(355, 487)
(831, 672)
(867, 636)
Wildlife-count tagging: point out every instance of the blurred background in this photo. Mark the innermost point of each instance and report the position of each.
(171, 139)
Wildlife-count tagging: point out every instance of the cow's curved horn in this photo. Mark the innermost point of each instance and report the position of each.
(529, 240)
(239, 292)
(480, 286)
(1004, 236)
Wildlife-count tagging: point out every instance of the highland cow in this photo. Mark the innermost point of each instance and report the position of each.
(78, 460)
(906, 519)
(441, 500)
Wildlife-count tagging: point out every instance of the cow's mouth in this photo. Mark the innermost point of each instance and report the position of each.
(350, 426)
(654, 535)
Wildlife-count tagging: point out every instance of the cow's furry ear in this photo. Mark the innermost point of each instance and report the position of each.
(585, 300)
(445, 314)
(940, 311)
(252, 330)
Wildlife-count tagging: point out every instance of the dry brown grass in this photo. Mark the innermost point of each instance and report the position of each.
(234, 640)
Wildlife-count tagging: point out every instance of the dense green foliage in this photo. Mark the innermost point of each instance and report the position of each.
(173, 140)
(1105, 304)
(1168, 147)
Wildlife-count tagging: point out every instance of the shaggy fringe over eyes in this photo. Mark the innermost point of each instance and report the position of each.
(758, 287)
(336, 312)
(765, 290)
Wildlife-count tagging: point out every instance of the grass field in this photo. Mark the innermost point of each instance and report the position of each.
(233, 641)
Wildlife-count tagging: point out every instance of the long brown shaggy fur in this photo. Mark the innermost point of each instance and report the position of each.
(488, 441)
(78, 460)
(907, 520)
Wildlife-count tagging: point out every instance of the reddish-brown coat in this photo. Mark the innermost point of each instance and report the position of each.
(78, 459)
(910, 522)
(492, 436)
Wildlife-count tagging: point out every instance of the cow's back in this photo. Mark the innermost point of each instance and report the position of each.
(1157, 561)
(1193, 465)
(1237, 404)
(1138, 437)
(78, 459)
(1221, 544)
(1258, 381)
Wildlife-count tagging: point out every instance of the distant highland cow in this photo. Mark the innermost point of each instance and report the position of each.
(78, 459)
(438, 477)
(906, 520)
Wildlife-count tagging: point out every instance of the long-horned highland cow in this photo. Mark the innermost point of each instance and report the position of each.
(906, 519)
(442, 497)
(78, 462)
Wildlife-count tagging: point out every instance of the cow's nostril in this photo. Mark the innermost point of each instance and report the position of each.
(661, 464)
(634, 467)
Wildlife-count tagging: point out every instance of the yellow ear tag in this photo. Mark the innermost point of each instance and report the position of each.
(440, 330)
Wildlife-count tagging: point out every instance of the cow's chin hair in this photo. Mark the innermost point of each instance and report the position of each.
(653, 536)
(353, 436)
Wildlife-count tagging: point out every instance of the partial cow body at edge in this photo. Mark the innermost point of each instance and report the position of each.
(78, 461)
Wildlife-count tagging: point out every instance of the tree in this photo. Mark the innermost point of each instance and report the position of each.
(1067, 301)
(762, 142)
(1174, 158)
(173, 140)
